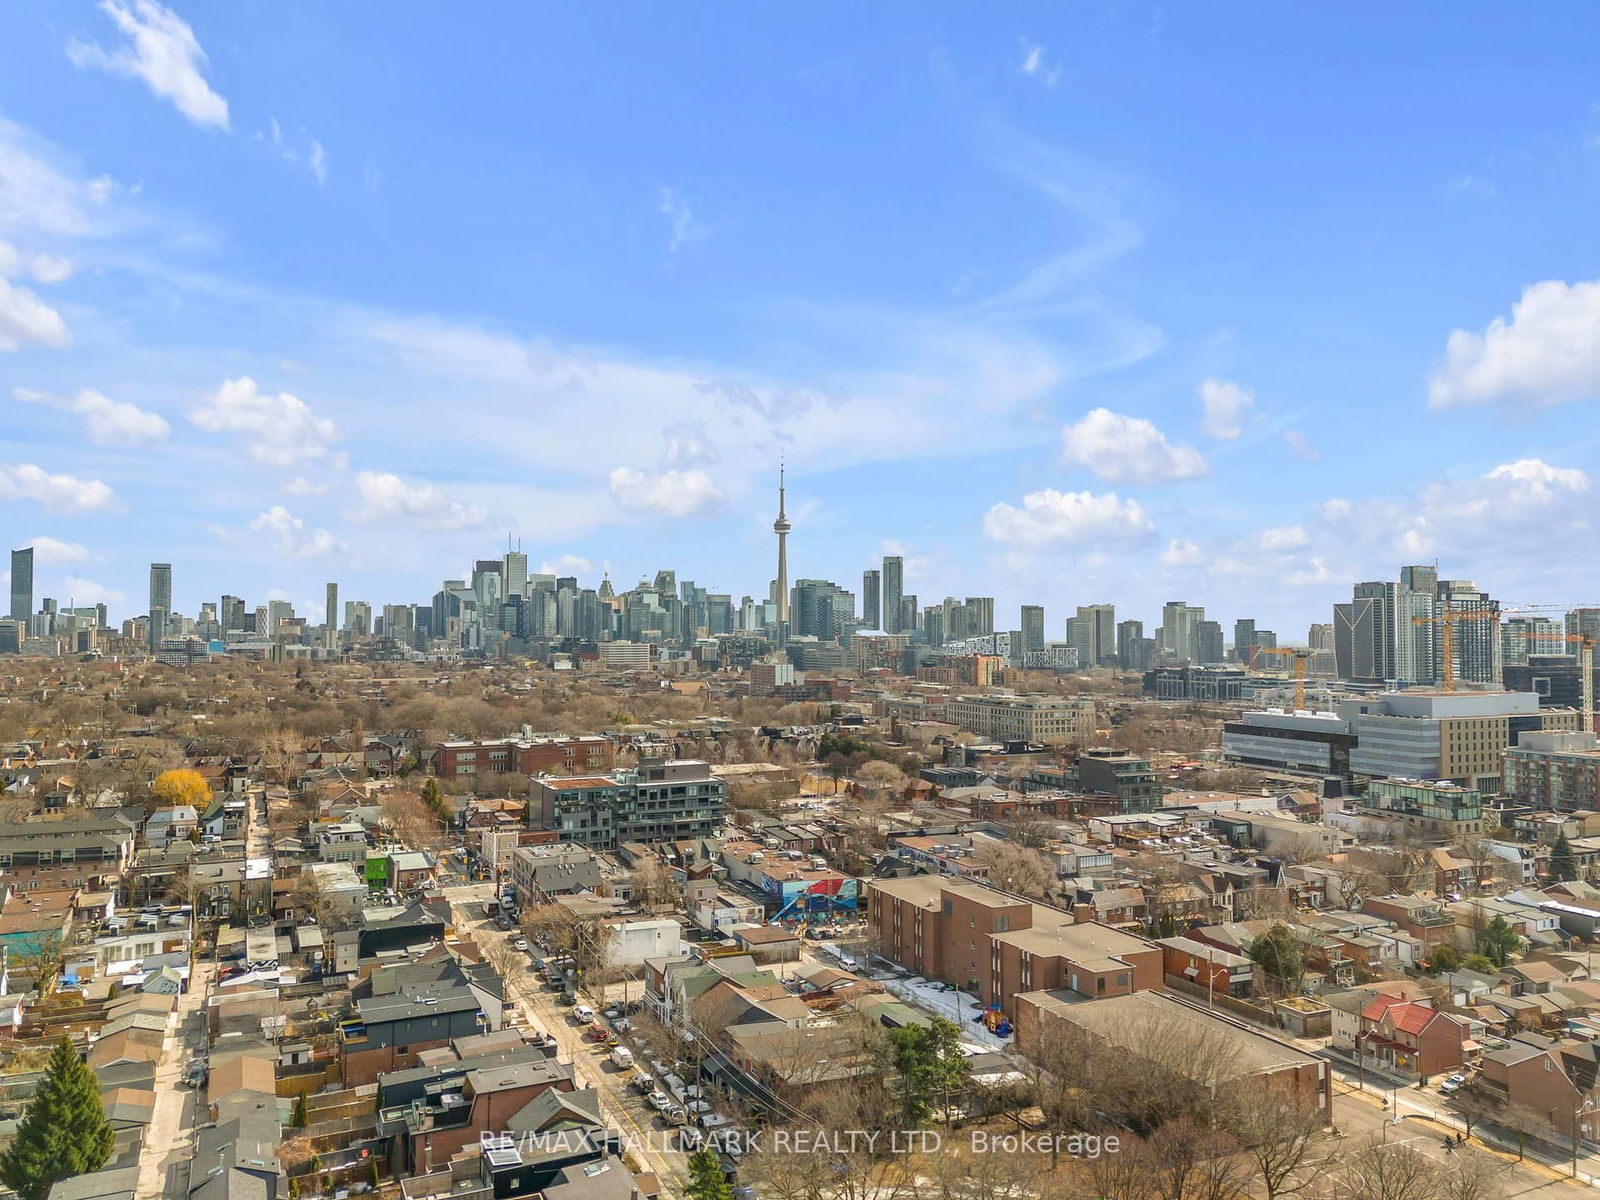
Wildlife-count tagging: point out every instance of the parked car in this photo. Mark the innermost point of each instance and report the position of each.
(612, 1012)
(644, 1083)
(583, 1014)
(1452, 1084)
(659, 1100)
(520, 943)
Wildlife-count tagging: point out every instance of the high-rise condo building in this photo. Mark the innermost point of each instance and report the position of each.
(160, 601)
(330, 610)
(1032, 627)
(871, 597)
(893, 590)
(980, 615)
(22, 584)
(1094, 634)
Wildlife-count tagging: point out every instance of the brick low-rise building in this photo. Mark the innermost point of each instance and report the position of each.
(532, 755)
(996, 946)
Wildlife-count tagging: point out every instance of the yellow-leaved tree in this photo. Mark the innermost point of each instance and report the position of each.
(182, 787)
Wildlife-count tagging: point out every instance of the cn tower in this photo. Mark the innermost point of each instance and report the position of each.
(781, 527)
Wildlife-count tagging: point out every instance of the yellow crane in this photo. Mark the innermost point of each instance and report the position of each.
(1300, 655)
(1446, 621)
(1585, 645)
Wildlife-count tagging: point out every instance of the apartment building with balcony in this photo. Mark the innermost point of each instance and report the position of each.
(659, 800)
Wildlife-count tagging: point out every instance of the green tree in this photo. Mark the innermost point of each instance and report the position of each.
(1277, 953)
(706, 1180)
(1478, 963)
(299, 1118)
(1444, 958)
(930, 1065)
(1497, 941)
(63, 1133)
(1563, 862)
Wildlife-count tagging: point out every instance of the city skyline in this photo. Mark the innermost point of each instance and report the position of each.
(1066, 345)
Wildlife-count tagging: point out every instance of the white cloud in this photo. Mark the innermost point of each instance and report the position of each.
(566, 564)
(1300, 446)
(37, 197)
(1051, 518)
(163, 52)
(45, 268)
(59, 493)
(294, 538)
(1280, 540)
(1123, 449)
(387, 497)
(25, 318)
(108, 422)
(49, 551)
(1227, 406)
(86, 592)
(1314, 573)
(301, 486)
(1547, 353)
(313, 158)
(670, 493)
(281, 430)
(1181, 552)
(1035, 64)
(682, 226)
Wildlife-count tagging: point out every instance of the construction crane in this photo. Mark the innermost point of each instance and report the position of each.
(1446, 621)
(1300, 655)
(1585, 645)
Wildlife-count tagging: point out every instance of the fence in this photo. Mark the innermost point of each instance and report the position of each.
(1244, 1009)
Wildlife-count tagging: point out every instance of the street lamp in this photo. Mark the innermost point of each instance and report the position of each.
(1588, 1106)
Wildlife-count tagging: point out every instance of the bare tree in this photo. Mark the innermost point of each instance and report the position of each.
(1280, 1135)
(1016, 869)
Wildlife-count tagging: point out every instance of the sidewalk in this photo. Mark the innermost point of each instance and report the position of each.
(1542, 1158)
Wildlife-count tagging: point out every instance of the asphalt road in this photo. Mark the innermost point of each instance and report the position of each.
(1423, 1123)
(539, 1010)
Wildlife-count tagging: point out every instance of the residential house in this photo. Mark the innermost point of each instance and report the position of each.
(176, 822)
(1219, 972)
(1413, 1038)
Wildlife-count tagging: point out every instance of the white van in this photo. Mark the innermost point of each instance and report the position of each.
(622, 1058)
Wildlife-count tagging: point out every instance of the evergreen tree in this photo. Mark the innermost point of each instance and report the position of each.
(1497, 941)
(63, 1133)
(299, 1117)
(1563, 863)
(931, 1066)
(706, 1180)
(1278, 954)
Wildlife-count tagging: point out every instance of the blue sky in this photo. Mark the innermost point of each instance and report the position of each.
(1229, 303)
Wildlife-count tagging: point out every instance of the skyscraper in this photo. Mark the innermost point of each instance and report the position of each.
(1094, 633)
(1032, 627)
(980, 615)
(781, 527)
(330, 612)
(22, 584)
(1477, 646)
(871, 597)
(1133, 648)
(515, 573)
(160, 601)
(1176, 637)
(893, 590)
